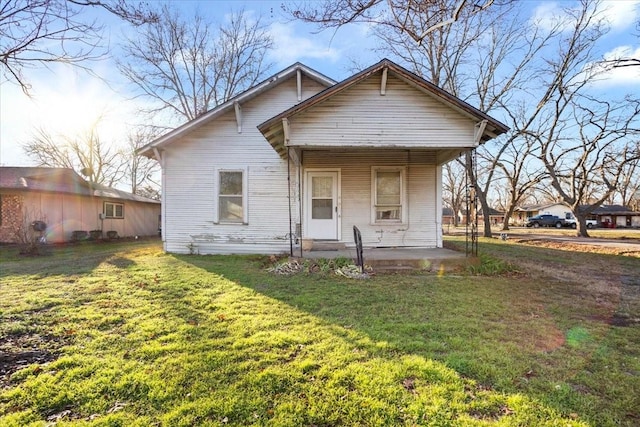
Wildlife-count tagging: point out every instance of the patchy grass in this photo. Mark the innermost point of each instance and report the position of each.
(138, 337)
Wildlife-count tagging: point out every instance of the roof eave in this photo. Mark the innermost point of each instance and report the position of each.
(148, 150)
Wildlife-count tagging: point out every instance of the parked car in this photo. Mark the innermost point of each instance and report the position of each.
(545, 220)
(573, 223)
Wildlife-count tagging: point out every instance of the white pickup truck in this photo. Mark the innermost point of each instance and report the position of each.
(571, 221)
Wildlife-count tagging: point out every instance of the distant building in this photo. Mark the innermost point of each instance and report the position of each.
(67, 203)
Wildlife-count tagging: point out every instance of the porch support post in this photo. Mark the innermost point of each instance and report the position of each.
(285, 130)
(238, 109)
(383, 83)
(300, 203)
(289, 198)
(299, 81)
(438, 185)
(294, 156)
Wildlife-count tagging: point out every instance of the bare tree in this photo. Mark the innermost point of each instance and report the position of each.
(399, 15)
(623, 62)
(485, 59)
(141, 171)
(189, 66)
(453, 187)
(607, 142)
(35, 33)
(521, 173)
(628, 192)
(87, 154)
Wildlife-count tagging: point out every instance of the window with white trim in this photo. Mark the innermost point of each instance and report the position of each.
(232, 196)
(388, 198)
(113, 210)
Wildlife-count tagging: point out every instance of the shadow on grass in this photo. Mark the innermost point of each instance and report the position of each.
(64, 259)
(550, 337)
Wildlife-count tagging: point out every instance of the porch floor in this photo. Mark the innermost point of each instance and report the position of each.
(398, 259)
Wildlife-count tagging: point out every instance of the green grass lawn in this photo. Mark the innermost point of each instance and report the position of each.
(130, 336)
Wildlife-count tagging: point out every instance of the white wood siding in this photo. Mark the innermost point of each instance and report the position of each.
(189, 173)
(361, 117)
(423, 194)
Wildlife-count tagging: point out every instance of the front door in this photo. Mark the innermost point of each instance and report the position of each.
(321, 205)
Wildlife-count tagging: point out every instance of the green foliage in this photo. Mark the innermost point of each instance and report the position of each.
(490, 266)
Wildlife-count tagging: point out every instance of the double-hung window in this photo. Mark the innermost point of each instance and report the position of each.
(232, 196)
(113, 210)
(388, 195)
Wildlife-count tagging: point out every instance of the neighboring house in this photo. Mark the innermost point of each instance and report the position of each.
(495, 216)
(606, 215)
(448, 216)
(301, 157)
(617, 216)
(66, 203)
(521, 213)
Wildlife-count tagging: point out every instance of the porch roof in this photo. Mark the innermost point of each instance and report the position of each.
(275, 130)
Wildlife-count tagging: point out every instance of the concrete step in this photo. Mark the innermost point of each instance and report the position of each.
(320, 245)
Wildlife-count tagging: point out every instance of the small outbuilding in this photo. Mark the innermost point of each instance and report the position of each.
(69, 206)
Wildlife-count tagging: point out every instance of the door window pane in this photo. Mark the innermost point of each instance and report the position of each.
(322, 209)
(322, 187)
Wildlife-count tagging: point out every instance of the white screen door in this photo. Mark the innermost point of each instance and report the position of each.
(322, 205)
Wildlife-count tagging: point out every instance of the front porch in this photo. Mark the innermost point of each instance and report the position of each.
(401, 259)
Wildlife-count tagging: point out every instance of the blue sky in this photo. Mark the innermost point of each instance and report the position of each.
(67, 101)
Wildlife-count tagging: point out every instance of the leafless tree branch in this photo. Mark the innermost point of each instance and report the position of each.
(189, 66)
(36, 33)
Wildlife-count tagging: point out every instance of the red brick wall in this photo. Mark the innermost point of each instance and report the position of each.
(10, 217)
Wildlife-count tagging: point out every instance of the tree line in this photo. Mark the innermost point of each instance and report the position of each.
(569, 141)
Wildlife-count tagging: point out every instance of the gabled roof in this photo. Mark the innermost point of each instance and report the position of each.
(59, 180)
(245, 96)
(492, 211)
(600, 210)
(272, 128)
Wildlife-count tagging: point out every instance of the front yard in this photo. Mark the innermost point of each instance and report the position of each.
(125, 335)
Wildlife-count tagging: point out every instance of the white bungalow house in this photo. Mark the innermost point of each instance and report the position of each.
(300, 159)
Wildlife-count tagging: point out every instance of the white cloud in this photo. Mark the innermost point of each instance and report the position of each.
(621, 14)
(622, 76)
(290, 47)
(548, 15)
